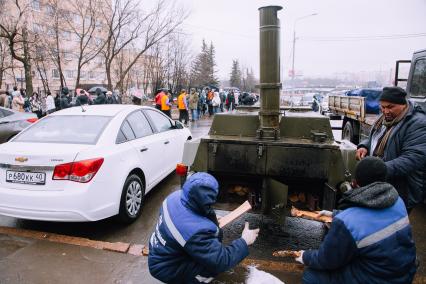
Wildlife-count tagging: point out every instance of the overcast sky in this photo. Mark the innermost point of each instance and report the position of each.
(344, 36)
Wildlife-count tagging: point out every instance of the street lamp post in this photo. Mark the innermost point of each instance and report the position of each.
(293, 72)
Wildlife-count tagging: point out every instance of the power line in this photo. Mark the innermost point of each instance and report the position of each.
(364, 38)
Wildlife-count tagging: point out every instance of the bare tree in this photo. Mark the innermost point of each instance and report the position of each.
(178, 58)
(5, 60)
(130, 26)
(86, 27)
(14, 28)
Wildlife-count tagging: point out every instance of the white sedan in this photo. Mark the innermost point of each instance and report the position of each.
(88, 163)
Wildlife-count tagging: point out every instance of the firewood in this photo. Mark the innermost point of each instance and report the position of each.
(309, 215)
(286, 253)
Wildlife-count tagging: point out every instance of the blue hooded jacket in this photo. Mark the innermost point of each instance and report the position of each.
(185, 246)
(369, 241)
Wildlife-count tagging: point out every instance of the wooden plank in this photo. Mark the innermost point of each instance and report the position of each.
(243, 208)
(310, 215)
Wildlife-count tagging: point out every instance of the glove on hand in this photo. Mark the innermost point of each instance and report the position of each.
(300, 257)
(249, 235)
(325, 213)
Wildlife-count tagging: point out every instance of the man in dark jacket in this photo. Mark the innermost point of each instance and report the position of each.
(82, 99)
(370, 239)
(64, 101)
(100, 97)
(185, 246)
(399, 138)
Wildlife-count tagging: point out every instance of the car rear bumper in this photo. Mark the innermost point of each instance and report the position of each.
(63, 206)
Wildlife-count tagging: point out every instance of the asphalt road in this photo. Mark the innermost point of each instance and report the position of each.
(27, 260)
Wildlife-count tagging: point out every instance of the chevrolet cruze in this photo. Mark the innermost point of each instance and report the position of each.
(88, 163)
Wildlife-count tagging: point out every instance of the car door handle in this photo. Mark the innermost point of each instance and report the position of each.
(144, 149)
(166, 142)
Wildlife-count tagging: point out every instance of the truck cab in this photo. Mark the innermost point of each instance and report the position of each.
(416, 84)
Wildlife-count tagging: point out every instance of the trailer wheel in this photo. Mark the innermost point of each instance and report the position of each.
(348, 132)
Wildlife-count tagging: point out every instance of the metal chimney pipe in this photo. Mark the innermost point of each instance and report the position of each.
(270, 84)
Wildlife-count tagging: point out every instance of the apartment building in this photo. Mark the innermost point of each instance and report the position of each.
(55, 27)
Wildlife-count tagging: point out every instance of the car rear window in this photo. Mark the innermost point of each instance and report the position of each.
(67, 129)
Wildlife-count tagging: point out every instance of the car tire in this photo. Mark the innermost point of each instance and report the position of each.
(348, 132)
(132, 198)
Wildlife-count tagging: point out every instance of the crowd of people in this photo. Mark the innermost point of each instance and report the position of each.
(43, 105)
(201, 103)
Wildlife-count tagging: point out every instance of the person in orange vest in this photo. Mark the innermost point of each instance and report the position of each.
(210, 101)
(166, 105)
(183, 107)
(158, 96)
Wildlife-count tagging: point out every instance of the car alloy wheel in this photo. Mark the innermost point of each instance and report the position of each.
(132, 198)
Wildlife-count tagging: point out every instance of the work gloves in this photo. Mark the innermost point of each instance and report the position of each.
(249, 235)
(300, 257)
(325, 213)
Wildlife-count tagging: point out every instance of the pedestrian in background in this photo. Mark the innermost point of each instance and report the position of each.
(50, 103)
(202, 104)
(64, 101)
(209, 101)
(17, 101)
(183, 107)
(160, 93)
(100, 97)
(186, 245)
(399, 138)
(166, 105)
(370, 239)
(35, 103)
(216, 102)
(193, 104)
(82, 98)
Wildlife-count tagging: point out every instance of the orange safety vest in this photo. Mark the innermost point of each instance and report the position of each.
(210, 95)
(164, 105)
(181, 103)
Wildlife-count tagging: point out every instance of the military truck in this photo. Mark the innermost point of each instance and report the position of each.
(272, 157)
(357, 121)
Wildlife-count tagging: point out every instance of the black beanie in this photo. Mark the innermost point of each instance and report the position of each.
(394, 95)
(369, 170)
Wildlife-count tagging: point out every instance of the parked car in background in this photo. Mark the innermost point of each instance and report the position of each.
(87, 164)
(12, 122)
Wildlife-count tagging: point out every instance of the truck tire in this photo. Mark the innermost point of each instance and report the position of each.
(348, 132)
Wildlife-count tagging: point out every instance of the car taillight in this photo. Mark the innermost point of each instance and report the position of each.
(80, 171)
(32, 120)
(181, 170)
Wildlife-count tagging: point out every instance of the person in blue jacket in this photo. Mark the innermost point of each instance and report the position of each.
(186, 246)
(370, 239)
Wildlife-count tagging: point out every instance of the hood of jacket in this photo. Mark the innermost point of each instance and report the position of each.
(377, 195)
(199, 193)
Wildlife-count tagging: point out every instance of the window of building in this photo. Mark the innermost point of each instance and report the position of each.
(83, 75)
(92, 75)
(36, 5)
(50, 10)
(37, 28)
(69, 74)
(55, 74)
(66, 35)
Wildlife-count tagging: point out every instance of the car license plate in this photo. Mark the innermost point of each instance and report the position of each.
(26, 177)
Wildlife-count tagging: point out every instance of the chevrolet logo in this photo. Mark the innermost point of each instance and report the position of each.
(21, 159)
